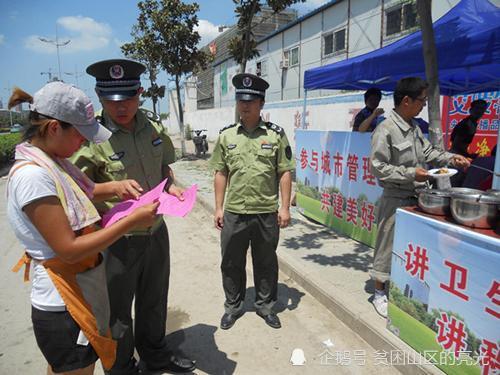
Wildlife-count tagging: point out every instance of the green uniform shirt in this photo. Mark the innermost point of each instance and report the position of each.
(140, 154)
(253, 162)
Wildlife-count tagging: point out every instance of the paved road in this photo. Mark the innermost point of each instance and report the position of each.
(195, 307)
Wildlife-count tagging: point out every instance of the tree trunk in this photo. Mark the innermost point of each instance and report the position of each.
(181, 116)
(154, 98)
(431, 72)
(246, 36)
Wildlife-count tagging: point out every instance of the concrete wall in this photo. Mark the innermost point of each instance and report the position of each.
(325, 113)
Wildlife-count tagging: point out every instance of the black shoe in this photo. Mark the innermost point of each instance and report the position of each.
(228, 320)
(177, 365)
(271, 319)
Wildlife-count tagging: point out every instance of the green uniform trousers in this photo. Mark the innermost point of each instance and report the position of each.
(261, 232)
(139, 266)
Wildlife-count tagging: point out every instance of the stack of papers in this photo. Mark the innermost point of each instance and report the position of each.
(169, 204)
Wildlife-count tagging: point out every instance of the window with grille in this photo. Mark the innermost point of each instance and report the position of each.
(334, 42)
(401, 18)
(292, 55)
(261, 70)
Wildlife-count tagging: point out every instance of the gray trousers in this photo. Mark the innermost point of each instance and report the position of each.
(261, 232)
(381, 270)
(139, 266)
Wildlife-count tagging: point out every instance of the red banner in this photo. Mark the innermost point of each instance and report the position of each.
(456, 108)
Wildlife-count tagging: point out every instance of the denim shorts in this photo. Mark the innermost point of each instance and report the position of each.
(56, 334)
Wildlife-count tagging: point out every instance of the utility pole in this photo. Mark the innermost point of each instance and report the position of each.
(49, 73)
(9, 91)
(76, 74)
(57, 44)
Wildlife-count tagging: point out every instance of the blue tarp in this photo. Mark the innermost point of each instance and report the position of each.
(468, 54)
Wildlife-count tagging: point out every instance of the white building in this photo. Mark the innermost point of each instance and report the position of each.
(338, 30)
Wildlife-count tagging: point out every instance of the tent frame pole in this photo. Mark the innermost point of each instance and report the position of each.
(304, 108)
(496, 176)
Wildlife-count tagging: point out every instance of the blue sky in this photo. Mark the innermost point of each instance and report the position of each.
(96, 29)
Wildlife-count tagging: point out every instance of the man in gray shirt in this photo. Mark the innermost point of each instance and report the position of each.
(399, 158)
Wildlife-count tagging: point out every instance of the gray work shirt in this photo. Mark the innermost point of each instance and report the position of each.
(398, 148)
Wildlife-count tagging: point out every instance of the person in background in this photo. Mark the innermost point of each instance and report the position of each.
(253, 161)
(479, 178)
(368, 118)
(138, 264)
(465, 130)
(50, 210)
(463, 134)
(399, 157)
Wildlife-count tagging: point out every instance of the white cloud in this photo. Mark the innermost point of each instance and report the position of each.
(208, 32)
(2, 39)
(13, 14)
(84, 33)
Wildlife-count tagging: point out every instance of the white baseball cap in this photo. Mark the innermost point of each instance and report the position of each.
(67, 103)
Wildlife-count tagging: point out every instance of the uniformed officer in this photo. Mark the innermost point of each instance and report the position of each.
(138, 264)
(252, 161)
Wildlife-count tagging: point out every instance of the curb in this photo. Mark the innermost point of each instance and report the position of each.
(374, 337)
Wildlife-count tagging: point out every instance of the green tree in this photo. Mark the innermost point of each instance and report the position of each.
(244, 46)
(169, 27)
(142, 49)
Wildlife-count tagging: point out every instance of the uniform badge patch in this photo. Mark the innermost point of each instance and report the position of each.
(157, 141)
(231, 146)
(266, 146)
(116, 72)
(247, 82)
(288, 152)
(117, 156)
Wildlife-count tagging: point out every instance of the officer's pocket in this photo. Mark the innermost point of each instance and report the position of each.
(403, 153)
(267, 157)
(116, 170)
(157, 150)
(233, 159)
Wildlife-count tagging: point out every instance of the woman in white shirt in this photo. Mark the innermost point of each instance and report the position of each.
(50, 211)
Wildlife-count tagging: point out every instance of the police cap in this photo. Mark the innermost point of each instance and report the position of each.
(117, 79)
(249, 86)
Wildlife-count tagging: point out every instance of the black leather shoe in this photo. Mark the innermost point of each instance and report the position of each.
(271, 319)
(228, 320)
(176, 365)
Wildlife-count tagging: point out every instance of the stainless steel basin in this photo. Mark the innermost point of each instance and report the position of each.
(475, 210)
(434, 201)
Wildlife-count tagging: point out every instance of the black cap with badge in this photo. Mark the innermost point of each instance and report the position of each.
(249, 86)
(117, 79)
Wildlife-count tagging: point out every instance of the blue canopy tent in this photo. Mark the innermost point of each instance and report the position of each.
(468, 54)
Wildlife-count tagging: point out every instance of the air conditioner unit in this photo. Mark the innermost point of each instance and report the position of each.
(284, 64)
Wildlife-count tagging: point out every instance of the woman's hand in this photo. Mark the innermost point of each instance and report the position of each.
(145, 216)
(127, 189)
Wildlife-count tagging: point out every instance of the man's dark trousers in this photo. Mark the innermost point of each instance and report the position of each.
(139, 266)
(261, 232)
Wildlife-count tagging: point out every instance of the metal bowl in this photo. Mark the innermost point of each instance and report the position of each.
(475, 210)
(434, 201)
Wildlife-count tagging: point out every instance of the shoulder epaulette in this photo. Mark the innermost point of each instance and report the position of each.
(151, 115)
(275, 128)
(227, 127)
